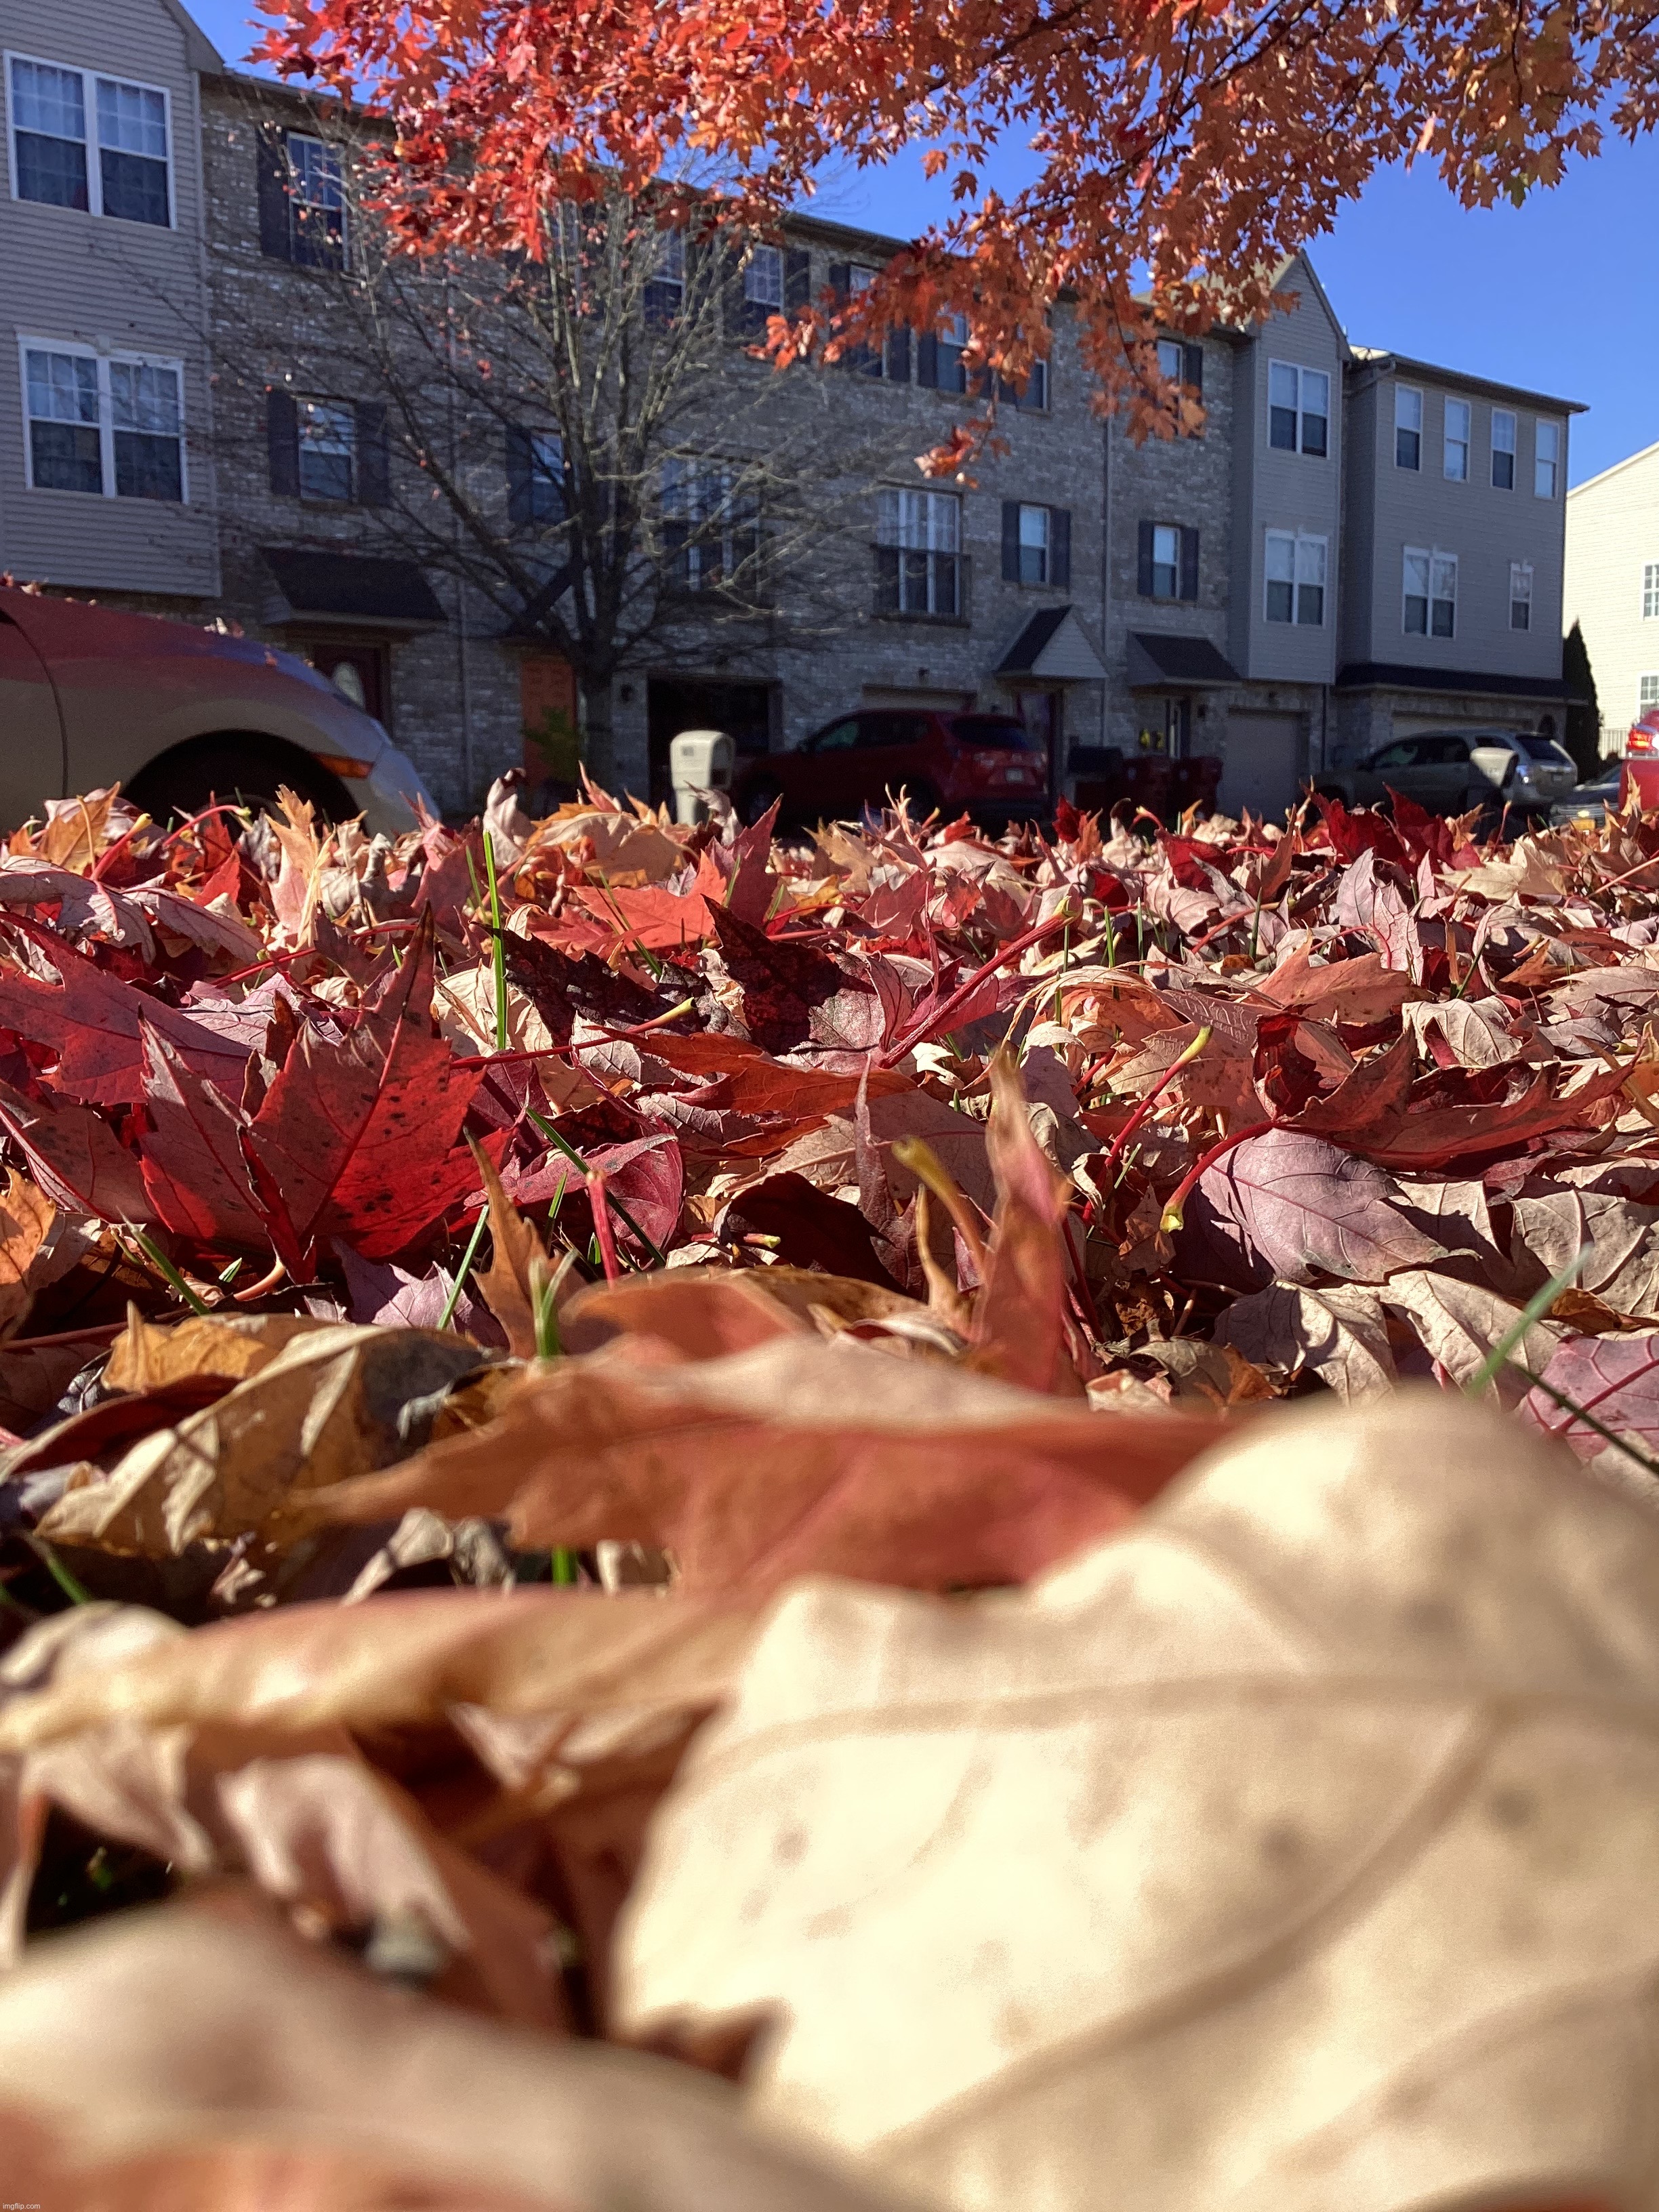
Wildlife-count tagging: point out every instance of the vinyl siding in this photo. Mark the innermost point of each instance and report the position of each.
(1391, 507)
(1612, 534)
(118, 287)
(1278, 490)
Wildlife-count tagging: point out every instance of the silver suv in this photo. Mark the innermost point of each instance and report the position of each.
(1449, 771)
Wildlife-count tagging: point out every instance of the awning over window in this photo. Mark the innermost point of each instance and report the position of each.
(342, 588)
(1406, 676)
(1053, 646)
(1176, 662)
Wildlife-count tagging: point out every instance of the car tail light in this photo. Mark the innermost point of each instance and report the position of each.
(342, 764)
(1642, 743)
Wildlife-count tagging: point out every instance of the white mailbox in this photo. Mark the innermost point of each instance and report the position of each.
(699, 761)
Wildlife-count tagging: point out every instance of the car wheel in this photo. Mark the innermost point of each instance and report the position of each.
(760, 794)
(244, 771)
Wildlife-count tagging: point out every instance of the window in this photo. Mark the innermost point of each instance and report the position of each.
(51, 111)
(665, 289)
(1408, 428)
(1172, 361)
(1429, 595)
(918, 553)
(1546, 457)
(952, 339)
(113, 428)
(1650, 592)
(1520, 594)
(1455, 466)
(1033, 545)
(535, 477)
(1298, 409)
(1296, 569)
(1647, 695)
(1503, 450)
(1168, 562)
(316, 203)
(327, 449)
(762, 278)
(710, 527)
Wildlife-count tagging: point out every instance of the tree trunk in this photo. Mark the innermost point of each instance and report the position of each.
(599, 743)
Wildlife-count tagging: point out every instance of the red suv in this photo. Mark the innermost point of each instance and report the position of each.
(987, 766)
(1640, 771)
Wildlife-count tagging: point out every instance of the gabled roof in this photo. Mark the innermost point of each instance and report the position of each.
(1629, 461)
(200, 52)
(1052, 644)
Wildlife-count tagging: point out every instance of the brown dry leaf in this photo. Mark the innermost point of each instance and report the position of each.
(397, 1661)
(75, 830)
(287, 2080)
(233, 1345)
(327, 1406)
(1292, 1850)
(27, 1216)
(706, 1312)
(1339, 1333)
(1019, 1316)
(801, 1454)
(516, 1252)
(1458, 1323)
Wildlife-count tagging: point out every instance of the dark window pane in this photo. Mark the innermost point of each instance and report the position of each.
(1314, 435)
(1166, 580)
(1310, 605)
(1503, 471)
(147, 468)
(1417, 617)
(1033, 565)
(1519, 614)
(52, 170)
(1281, 430)
(1442, 618)
(66, 457)
(324, 476)
(1408, 445)
(135, 187)
(944, 584)
(1279, 603)
(317, 236)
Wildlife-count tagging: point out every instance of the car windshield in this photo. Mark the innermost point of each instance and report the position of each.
(1000, 732)
(1540, 749)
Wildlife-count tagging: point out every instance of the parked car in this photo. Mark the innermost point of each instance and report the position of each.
(177, 716)
(1449, 771)
(1640, 765)
(987, 766)
(1587, 801)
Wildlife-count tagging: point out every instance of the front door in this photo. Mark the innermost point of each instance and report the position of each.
(356, 672)
(1261, 767)
(1040, 713)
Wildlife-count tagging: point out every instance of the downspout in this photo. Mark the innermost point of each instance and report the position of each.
(1106, 572)
(463, 669)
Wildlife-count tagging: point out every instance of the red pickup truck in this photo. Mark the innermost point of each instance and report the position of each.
(177, 716)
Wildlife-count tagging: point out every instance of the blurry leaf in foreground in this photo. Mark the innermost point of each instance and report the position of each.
(798, 1455)
(1294, 1849)
(290, 2081)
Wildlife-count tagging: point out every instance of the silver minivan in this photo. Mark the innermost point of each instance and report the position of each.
(1450, 771)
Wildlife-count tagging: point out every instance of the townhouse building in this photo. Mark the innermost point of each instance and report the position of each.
(1353, 546)
(1613, 587)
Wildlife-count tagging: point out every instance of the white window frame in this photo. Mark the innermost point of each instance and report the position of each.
(77, 349)
(712, 499)
(1450, 445)
(94, 144)
(329, 150)
(1553, 464)
(1650, 591)
(1644, 705)
(1505, 414)
(1299, 370)
(1170, 532)
(1402, 392)
(354, 458)
(1041, 542)
(1303, 543)
(1435, 556)
(927, 524)
(1520, 582)
(774, 258)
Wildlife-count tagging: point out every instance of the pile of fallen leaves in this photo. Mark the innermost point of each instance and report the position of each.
(809, 1263)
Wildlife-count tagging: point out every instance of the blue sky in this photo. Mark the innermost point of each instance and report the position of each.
(1560, 295)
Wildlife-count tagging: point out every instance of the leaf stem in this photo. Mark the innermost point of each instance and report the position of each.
(1182, 1059)
(611, 1199)
(497, 946)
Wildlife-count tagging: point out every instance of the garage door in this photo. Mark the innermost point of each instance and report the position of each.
(1263, 765)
